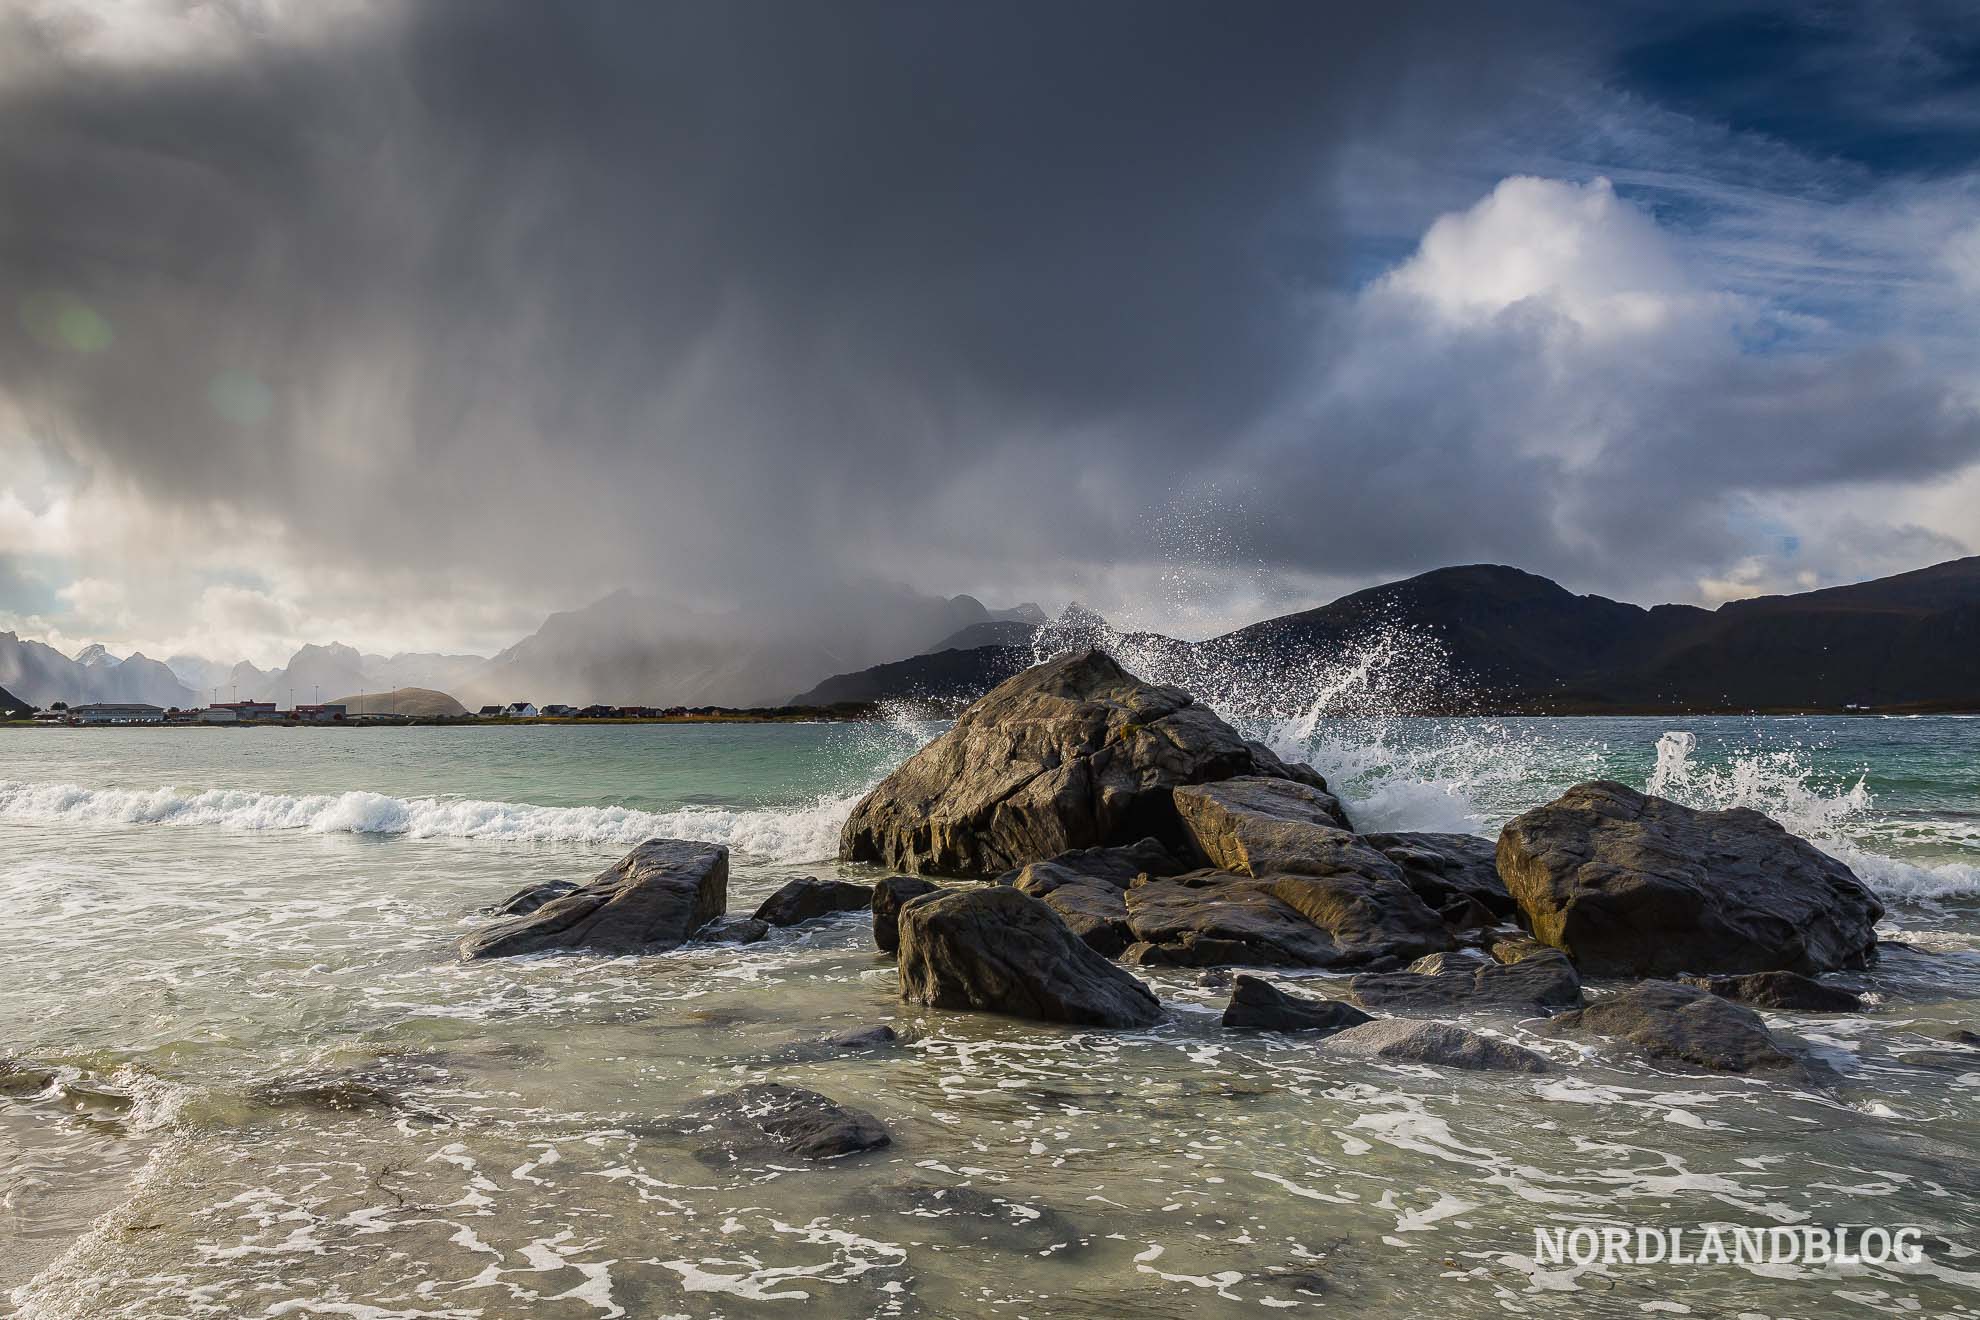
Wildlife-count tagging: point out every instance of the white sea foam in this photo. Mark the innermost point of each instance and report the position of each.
(800, 833)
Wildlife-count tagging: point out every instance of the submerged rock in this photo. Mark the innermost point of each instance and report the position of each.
(1261, 1006)
(1632, 885)
(1681, 1023)
(1436, 986)
(733, 930)
(864, 1038)
(656, 897)
(985, 1219)
(767, 1119)
(888, 896)
(997, 950)
(527, 900)
(1789, 991)
(19, 1078)
(808, 897)
(1407, 1040)
(1074, 753)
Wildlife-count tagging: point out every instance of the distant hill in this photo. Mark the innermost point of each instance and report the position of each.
(1517, 641)
(10, 702)
(420, 703)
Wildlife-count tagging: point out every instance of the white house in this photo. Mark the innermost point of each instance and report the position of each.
(521, 710)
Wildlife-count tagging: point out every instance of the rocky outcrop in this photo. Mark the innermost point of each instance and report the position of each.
(1447, 871)
(1210, 918)
(1789, 991)
(1074, 753)
(1261, 825)
(1404, 1040)
(1632, 885)
(997, 950)
(888, 896)
(1445, 983)
(767, 1120)
(808, 897)
(1681, 1024)
(1261, 1006)
(1087, 889)
(656, 897)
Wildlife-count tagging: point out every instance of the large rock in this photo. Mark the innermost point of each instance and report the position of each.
(767, 1120)
(1074, 753)
(808, 897)
(888, 896)
(1210, 918)
(1262, 826)
(655, 898)
(1443, 983)
(1086, 889)
(1632, 885)
(1789, 991)
(997, 950)
(1405, 1040)
(1261, 1006)
(1680, 1023)
(1446, 870)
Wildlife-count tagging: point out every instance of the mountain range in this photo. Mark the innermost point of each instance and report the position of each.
(1508, 640)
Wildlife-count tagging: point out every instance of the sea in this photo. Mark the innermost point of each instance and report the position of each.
(245, 1074)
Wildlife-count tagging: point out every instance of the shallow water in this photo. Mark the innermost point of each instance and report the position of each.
(201, 918)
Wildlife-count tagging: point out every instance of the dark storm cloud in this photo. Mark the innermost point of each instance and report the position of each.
(722, 297)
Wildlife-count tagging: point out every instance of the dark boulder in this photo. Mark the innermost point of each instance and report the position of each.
(1074, 753)
(1370, 918)
(1445, 870)
(1207, 918)
(808, 897)
(864, 1038)
(888, 895)
(1632, 885)
(656, 897)
(733, 930)
(1406, 1040)
(1790, 991)
(527, 900)
(997, 950)
(767, 1120)
(1682, 1024)
(1261, 1006)
(1086, 887)
(1443, 983)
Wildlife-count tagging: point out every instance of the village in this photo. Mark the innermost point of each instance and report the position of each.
(238, 713)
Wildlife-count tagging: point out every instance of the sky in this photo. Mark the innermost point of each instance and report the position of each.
(403, 324)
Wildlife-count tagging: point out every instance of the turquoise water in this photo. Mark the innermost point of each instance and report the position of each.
(196, 916)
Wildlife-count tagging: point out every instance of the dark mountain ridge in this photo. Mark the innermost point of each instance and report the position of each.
(1517, 642)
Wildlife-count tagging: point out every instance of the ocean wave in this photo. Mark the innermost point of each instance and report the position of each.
(800, 833)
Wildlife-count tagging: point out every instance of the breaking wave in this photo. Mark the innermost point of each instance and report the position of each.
(802, 833)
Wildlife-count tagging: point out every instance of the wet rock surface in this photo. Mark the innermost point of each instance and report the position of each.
(1074, 753)
(888, 895)
(1632, 885)
(655, 898)
(768, 1120)
(807, 898)
(1680, 1024)
(733, 930)
(1443, 984)
(994, 949)
(1446, 870)
(1261, 1006)
(1785, 991)
(1264, 825)
(1206, 918)
(1408, 1040)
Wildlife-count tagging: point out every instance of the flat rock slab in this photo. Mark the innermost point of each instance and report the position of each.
(1207, 918)
(1780, 991)
(1407, 1040)
(654, 898)
(1370, 918)
(807, 898)
(1074, 753)
(768, 1120)
(1438, 986)
(994, 949)
(1261, 1006)
(1267, 825)
(1681, 1024)
(1632, 885)
(1446, 870)
(888, 895)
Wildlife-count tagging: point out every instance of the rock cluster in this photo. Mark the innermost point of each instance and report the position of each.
(656, 897)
